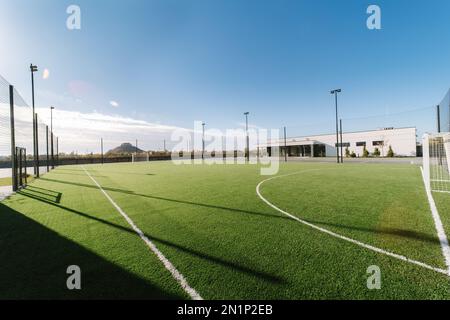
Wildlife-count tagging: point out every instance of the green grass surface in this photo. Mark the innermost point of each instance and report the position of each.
(8, 182)
(5, 182)
(209, 222)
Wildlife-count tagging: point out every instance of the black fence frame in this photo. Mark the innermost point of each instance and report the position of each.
(19, 161)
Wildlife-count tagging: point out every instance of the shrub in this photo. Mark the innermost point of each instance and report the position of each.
(347, 152)
(353, 154)
(390, 153)
(365, 152)
(376, 152)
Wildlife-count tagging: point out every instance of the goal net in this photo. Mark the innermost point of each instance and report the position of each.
(436, 162)
(140, 157)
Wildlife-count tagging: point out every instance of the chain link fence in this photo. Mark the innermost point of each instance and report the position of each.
(26, 142)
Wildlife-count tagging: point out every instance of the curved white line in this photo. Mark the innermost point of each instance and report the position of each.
(336, 235)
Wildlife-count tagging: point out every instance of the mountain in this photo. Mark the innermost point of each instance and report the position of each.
(124, 148)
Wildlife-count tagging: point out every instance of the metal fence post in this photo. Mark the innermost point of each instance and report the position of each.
(20, 166)
(13, 138)
(57, 151)
(342, 143)
(46, 142)
(51, 150)
(25, 164)
(37, 146)
(285, 146)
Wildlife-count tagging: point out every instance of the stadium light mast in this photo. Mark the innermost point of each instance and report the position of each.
(33, 69)
(51, 137)
(203, 140)
(438, 115)
(342, 143)
(335, 92)
(247, 151)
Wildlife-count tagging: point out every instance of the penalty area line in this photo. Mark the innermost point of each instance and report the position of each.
(167, 264)
(336, 235)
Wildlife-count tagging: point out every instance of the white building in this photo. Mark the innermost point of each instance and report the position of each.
(402, 141)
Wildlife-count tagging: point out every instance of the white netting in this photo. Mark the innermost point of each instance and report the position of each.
(437, 162)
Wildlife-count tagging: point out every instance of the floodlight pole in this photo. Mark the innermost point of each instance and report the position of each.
(335, 92)
(13, 139)
(101, 142)
(46, 142)
(438, 114)
(285, 146)
(57, 151)
(342, 143)
(203, 141)
(34, 69)
(51, 130)
(37, 144)
(247, 150)
(136, 146)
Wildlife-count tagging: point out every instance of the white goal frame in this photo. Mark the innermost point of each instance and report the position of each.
(133, 157)
(436, 162)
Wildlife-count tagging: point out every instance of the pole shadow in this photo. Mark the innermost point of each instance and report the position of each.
(234, 266)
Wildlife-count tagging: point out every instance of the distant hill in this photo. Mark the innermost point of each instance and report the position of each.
(124, 148)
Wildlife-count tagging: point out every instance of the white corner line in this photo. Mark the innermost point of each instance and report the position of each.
(167, 264)
(438, 224)
(336, 235)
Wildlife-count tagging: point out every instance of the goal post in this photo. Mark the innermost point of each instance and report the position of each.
(436, 162)
(140, 157)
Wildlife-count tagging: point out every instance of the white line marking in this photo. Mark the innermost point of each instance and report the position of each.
(438, 224)
(336, 235)
(167, 264)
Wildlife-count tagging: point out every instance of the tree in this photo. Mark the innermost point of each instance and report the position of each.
(353, 154)
(347, 152)
(365, 152)
(390, 153)
(376, 152)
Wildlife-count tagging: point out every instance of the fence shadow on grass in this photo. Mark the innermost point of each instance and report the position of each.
(408, 234)
(34, 260)
(210, 206)
(234, 266)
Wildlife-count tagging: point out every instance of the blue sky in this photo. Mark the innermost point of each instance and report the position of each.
(175, 61)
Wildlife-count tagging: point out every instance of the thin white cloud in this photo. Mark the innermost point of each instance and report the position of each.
(82, 131)
(113, 103)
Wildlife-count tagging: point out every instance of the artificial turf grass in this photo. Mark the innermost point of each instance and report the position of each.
(442, 201)
(4, 182)
(45, 237)
(194, 222)
(208, 221)
(389, 210)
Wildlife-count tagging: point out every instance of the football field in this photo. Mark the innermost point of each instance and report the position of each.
(155, 230)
